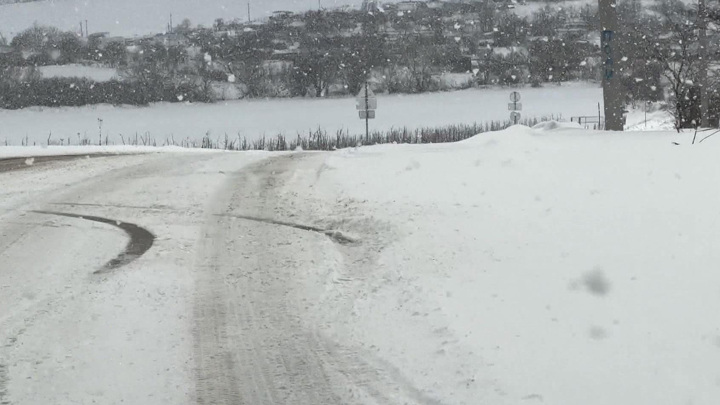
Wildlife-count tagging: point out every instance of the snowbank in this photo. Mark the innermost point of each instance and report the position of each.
(556, 125)
(654, 120)
(573, 267)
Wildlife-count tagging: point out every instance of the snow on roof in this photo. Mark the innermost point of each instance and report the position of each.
(510, 50)
(98, 74)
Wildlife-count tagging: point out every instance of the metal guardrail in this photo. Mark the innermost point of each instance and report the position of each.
(589, 121)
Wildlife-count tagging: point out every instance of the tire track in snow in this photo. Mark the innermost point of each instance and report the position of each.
(3, 385)
(255, 340)
(141, 240)
(336, 236)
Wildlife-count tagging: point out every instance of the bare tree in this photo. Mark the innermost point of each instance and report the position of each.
(677, 49)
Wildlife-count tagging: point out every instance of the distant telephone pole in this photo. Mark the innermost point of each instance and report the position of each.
(612, 95)
(87, 33)
(249, 20)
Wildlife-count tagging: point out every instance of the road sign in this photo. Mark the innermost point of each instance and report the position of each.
(515, 97)
(514, 106)
(515, 117)
(366, 104)
(371, 103)
(366, 95)
(367, 114)
(366, 92)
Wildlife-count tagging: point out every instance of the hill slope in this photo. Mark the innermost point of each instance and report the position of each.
(137, 17)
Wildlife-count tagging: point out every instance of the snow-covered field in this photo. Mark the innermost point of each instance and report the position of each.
(551, 265)
(98, 74)
(255, 118)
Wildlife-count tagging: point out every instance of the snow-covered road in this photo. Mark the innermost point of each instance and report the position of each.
(226, 307)
(71, 336)
(527, 266)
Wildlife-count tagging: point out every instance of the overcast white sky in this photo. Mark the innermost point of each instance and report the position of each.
(137, 17)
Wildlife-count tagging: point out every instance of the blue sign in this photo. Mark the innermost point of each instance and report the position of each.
(607, 37)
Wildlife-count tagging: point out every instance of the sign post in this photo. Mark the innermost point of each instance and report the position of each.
(515, 107)
(366, 105)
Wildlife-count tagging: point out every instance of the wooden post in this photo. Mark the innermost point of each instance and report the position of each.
(367, 113)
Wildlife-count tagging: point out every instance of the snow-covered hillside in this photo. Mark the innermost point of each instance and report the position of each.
(138, 17)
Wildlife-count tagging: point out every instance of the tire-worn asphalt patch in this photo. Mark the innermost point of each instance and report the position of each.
(141, 240)
(337, 236)
(20, 163)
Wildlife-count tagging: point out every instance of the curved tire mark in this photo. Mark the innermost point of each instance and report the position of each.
(141, 240)
(336, 236)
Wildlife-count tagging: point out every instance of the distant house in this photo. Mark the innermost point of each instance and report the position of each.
(409, 5)
(370, 6)
(230, 33)
(574, 26)
(281, 15)
(6, 52)
(173, 39)
(105, 41)
(510, 51)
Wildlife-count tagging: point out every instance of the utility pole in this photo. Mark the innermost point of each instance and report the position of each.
(704, 99)
(81, 30)
(249, 20)
(87, 33)
(612, 96)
